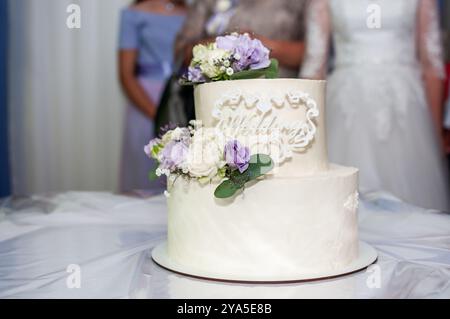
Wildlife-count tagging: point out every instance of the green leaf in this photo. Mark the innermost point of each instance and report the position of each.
(156, 149)
(273, 70)
(227, 189)
(270, 72)
(187, 83)
(240, 178)
(260, 164)
(152, 175)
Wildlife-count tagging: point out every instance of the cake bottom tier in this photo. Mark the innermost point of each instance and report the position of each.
(287, 226)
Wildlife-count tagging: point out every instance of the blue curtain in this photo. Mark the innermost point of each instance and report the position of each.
(4, 157)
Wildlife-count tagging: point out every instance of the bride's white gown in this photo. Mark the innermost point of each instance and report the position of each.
(377, 113)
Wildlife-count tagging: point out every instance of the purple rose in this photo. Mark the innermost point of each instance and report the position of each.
(173, 155)
(195, 75)
(237, 156)
(260, 56)
(227, 42)
(248, 53)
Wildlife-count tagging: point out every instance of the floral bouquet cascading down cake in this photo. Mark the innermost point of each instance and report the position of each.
(251, 195)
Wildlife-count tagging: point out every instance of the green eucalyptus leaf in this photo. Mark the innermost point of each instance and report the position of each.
(189, 83)
(226, 189)
(271, 72)
(260, 164)
(240, 178)
(152, 175)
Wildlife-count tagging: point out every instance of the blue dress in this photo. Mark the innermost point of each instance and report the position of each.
(153, 35)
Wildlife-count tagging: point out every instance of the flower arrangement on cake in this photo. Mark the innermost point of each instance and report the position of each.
(231, 57)
(204, 154)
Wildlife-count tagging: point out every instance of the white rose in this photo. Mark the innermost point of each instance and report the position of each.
(176, 134)
(210, 69)
(167, 138)
(211, 65)
(200, 53)
(218, 55)
(205, 155)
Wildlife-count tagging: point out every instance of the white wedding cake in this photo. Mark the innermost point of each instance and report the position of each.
(300, 219)
(251, 194)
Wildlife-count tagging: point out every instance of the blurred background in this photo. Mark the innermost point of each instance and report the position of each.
(61, 103)
(62, 108)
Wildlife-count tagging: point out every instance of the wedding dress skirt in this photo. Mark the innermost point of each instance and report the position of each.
(379, 121)
(377, 111)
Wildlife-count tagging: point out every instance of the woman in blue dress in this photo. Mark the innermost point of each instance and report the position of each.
(147, 34)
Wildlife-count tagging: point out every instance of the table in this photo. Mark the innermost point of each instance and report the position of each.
(97, 245)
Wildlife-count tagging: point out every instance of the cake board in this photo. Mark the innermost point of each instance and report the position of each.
(367, 256)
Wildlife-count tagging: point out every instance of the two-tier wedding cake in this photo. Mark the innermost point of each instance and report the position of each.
(251, 194)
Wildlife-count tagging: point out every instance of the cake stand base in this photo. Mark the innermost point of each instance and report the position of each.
(367, 256)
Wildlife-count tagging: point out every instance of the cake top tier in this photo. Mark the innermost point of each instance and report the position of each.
(283, 118)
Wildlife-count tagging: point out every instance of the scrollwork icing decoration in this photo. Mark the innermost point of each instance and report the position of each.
(234, 109)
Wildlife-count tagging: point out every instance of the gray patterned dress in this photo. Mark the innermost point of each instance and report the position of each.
(274, 19)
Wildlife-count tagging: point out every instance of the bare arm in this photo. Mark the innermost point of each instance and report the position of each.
(288, 53)
(131, 86)
(431, 58)
(434, 88)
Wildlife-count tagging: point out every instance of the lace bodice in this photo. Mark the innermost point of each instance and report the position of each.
(373, 32)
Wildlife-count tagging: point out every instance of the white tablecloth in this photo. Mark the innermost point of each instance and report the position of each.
(110, 237)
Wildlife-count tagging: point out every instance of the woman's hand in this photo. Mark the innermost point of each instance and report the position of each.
(151, 111)
(288, 53)
(131, 86)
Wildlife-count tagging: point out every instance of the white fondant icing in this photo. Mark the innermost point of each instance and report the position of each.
(277, 225)
(352, 202)
(300, 219)
(296, 106)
